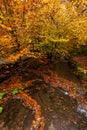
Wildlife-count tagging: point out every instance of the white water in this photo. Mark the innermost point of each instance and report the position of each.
(82, 111)
(82, 108)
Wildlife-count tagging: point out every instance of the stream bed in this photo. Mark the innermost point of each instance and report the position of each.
(60, 111)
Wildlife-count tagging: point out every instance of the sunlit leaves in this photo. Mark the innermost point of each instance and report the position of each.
(5, 27)
(41, 24)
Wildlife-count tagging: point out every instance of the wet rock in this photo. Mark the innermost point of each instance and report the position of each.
(15, 116)
(59, 110)
(86, 95)
(5, 67)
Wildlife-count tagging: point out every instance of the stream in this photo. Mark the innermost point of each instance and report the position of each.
(62, 68)
(60, 111)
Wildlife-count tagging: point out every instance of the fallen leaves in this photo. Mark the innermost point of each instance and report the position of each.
(55, 81)
(10, 84)
(82, 60)
(38, 123)
(49, 77)
(73, 121)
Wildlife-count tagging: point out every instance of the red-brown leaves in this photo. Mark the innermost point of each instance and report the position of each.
(38, 123)
(82, 60)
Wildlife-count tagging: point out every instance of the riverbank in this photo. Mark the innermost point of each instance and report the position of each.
(52, 86)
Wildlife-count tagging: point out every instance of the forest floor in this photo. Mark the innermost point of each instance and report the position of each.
(82, 60)
(39, 95)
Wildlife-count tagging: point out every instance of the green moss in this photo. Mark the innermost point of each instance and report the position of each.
(1, 95)
(15, 91)
(1, 109)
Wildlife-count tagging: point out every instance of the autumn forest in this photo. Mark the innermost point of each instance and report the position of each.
(43, 64)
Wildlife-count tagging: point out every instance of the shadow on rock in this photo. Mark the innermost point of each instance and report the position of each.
(15, 116)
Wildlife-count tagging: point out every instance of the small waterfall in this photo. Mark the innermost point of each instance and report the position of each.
(82, 108)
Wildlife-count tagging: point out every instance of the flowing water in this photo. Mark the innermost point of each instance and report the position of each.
(60, 111)
(62, 68)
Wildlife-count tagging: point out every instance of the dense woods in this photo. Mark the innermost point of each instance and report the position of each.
(51, 27)
(43, 64)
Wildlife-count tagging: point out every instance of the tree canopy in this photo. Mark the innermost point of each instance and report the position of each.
(48, 26)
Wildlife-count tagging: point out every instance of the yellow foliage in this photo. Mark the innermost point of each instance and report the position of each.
(38, 23)
(5, 27)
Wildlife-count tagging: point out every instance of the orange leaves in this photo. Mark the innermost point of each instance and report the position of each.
(15, 83)
(17, 24)
(11, 84)
(6, 40)
(45, 21)
(5, 27)
(54, 80)
(38, 123)
(82, 60)
(74, 121)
